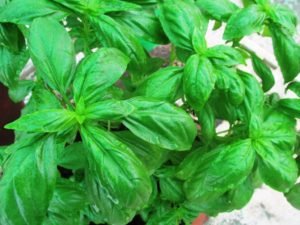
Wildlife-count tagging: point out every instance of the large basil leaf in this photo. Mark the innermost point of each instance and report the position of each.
(179, 19)
(145, 25)
(161, 123)
(198, 81)
(55, 67)
(97, 72)
(293, 196)
(244, 22)
(108, 110)
(273, 140)
(164, 84)
(217, 171)
(28, 183)
(118, 181)
(55, 120)
(263, 71)
(151, 155)
(218, 9)
(231, 200)
(24, 11)
(112, 34)
(287, 53)
(277, 166)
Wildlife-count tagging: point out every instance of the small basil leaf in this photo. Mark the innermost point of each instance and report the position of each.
(171, 189)
(179, 19)
(293, 196)
(287, 53)
(20, 90)
(223, 55)
(165, 84)
(198, 41)
(264, 72)
(161, 123)
(198, 81)
(291, 106)
(284, 16)
(207, 122)
(55, 67)
(55, 120)
(73, 157)
(97, 72)
(218, 9)
(244, 22)
(294, 87)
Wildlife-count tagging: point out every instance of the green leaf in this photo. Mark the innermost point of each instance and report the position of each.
(207, 122)
(28, 183)
(198, 41)
(254, 97)
(287, 53)
(293, 196)
(164, 84)
(263, 71)
(294, 87)
(284, 16)
(223, 55)
(73, 157)
(119, 182)
(161, 123)
(25, 11)
(97, 72)
(179, 19)
(274, 141)
(20, 90)
(113, 110)
(95, 7)
(55, 120)
(277, 167)
(244, 22)
(144, 24)
(229, 81)
(218, 9)
(217, 171)
(11, 37)
(150, 155)
(198, 81)
(55, 67)
(112, 34)
(291, 106)
(171, 189)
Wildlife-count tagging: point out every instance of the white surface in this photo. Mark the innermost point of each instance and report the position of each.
(267, 207)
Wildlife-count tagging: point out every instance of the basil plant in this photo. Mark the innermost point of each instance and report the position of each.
(111, 132)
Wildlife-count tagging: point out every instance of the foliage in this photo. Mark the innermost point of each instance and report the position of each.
(137, 138)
